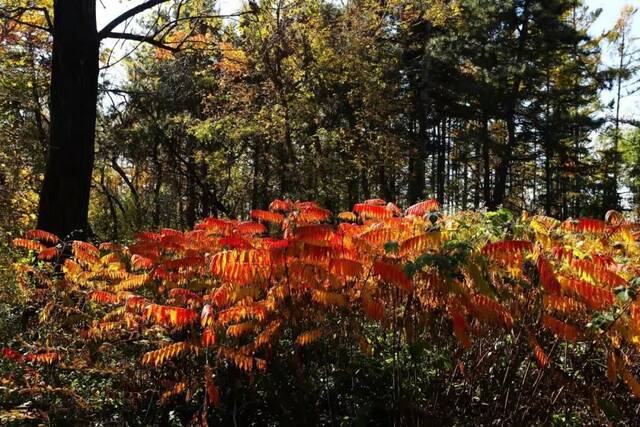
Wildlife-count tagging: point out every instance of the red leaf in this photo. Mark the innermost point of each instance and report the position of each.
(421, 208)
(547, 276)
(267, 216)
(393, 274)
(561, 329)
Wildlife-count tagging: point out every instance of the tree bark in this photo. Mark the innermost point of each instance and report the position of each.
(64, 198)
(502, 170)
(441, 165)
(513, 98)
(486, 163)
(418, 155)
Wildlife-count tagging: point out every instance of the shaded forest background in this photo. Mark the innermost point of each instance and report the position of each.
(477, 103)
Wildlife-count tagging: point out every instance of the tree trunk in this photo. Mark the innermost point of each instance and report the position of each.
(441, 165)
(548, 179)
(364, 181)
(190, 209)
(613, 199)
(64, 199)
(502, 170)
(417, 156)
(157, 186)
(504, 164)
(465, 184)
(486, 163)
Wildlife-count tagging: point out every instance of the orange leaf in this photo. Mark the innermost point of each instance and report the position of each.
(547, 276)
(29, 244)
(632, 382)
(372, 211)
(373, 307)
(267, 216)
(250, 228)
(595, 297)
(213, 396)
(508, 246)
(345, 267)
(585, 225)
(281, 205)
(43, 358)
(561, 329)
(42, 235)
(460, 328)
(489, 310)
(157, 357)
(103, 297)
(538, 352)
(393, 274)
(612, 367)
(208, 338)
(314, 233)
(419, 209)
(48, 254)
(308, 337)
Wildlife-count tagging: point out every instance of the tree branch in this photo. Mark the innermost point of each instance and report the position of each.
(16, 15)
(141, 38)
(47, 17)
(107, 30)
(632, 122)
(627, 121)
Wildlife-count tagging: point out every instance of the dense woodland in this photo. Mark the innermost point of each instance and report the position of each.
(478, 104)
(487, 118)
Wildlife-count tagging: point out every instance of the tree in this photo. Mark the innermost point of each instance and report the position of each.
(489, 103)
(630, 156)
(626, 68)
(64, 198)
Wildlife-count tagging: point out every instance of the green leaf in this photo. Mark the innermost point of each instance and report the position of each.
(391, 246)
(622, 294)
(610, 410)
(474, 271)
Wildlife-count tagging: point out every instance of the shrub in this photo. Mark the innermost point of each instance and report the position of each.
(298, 317)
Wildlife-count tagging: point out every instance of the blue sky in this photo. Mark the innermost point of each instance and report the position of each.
(630, 106)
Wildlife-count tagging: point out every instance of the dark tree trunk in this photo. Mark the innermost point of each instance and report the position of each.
(258, 200)
(441, 172)
(465, 185)
(190, 210)
(504, 164)
(64, 199)
(486, 163)
(502, 170)
(157, 186)
(205, 196)
(112, 206)
(416, 180)
(364, 181)
(476, 173)
(417, 157)
(548, 179)
(383, 183)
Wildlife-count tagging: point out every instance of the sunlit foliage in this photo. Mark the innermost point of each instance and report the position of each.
(182, 311)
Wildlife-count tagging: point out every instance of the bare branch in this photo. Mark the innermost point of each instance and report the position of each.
(107, 30)
(632, 122)
(157, 38)
(16, 15)
(47, 17)
(141, 38)
(167, 27)
(625, 120)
